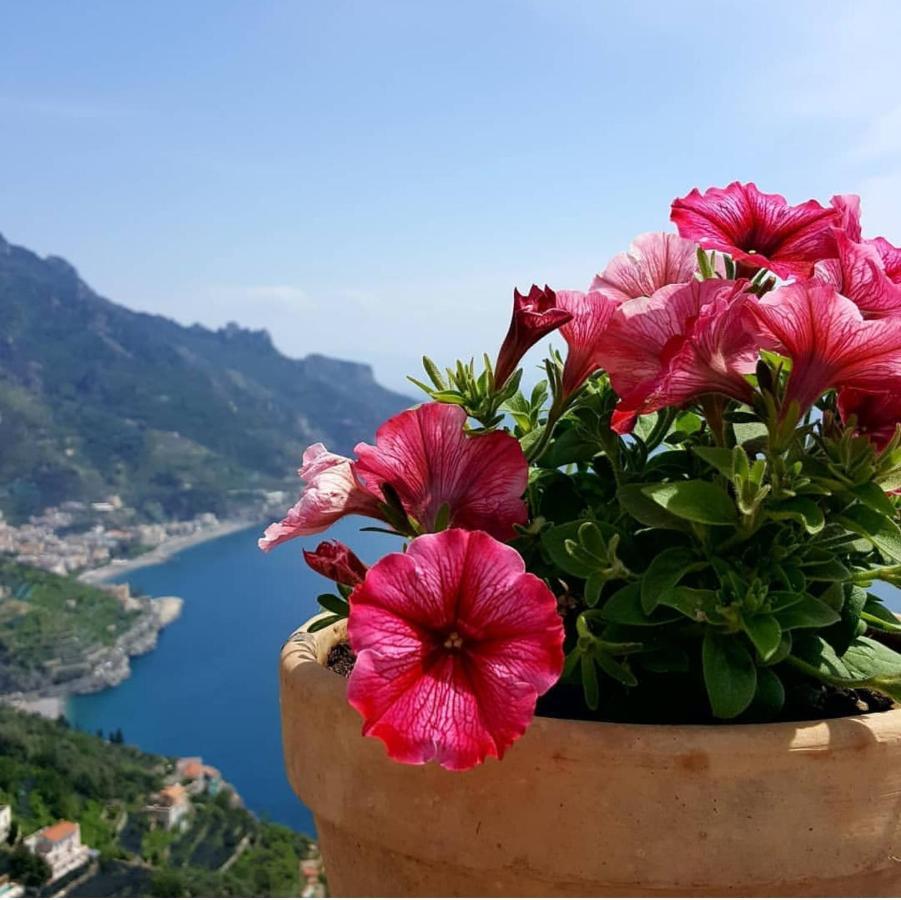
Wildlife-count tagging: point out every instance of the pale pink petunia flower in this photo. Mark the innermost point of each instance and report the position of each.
(759, 230)
(848, 208)
(890, 256)
(827, 339)
(681, 343)
(455, 642)
(331, 493)
(653, 261)
(590, 314)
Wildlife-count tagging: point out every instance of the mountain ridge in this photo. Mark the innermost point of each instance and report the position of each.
(96, 398)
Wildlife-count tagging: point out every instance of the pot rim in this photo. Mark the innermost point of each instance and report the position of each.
(304, 647)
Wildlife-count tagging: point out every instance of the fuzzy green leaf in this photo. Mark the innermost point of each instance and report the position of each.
(730, 675)
(696, 501)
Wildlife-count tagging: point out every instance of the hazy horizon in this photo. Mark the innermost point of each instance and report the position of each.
(371, 181)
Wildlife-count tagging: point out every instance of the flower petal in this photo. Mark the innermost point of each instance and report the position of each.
(429, 460)
(590, 314)
(653, 261)
(757, 229)
(331, 493)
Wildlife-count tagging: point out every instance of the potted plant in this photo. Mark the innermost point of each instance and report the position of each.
(667, 546)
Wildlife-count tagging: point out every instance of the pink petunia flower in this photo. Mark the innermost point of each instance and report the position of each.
(683, 342)
(890, 256)
(430, 462)
(827, 339)
(337, 562)
(534, 316)
(331, 493)
(653, 261)
(859, 273)
(590, 314)
(760, 230)
(848, 208)
(878, 414)
(455, 642)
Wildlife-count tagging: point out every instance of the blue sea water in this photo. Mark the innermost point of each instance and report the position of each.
(210, 688)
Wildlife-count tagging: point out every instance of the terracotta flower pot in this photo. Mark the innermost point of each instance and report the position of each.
(585, 808)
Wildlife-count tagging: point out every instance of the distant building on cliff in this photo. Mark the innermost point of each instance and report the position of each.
(6, 822)
(170, 807)
(197, 777)
(60, 847)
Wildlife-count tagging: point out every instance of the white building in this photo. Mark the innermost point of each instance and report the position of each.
(60, 847)
(6, 821)
(170, 807)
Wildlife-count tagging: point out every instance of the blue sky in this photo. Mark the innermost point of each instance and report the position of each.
(371, 179)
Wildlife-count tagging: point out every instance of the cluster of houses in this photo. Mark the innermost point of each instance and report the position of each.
(76, 536)
(171, 807)
(59, 845)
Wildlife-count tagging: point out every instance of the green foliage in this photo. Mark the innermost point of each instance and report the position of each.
(50, 625)
(713, 574)
(49, 771)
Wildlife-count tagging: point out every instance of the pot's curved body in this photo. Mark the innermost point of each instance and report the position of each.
(591, 809)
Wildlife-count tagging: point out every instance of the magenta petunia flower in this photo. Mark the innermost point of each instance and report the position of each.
(590, 314)
(878, 414)
(431, 462)
(653, 261)
(683, 342)
(827, 339)
(760, 230)
(859, 273)
(337, 562)
(534, 316)
(331, 493)
(455, 642)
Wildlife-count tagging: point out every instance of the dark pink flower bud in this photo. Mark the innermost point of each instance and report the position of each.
(337, 562)
(534, 316)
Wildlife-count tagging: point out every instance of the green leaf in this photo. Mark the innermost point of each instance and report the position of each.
(590, 682)
(698, 605)
(807, 612)
(843, 633)
(642, 508)
(880, 530)
(666, 570)
(769, 698)
(688, 423)
(615, 669)
(556, 542)
(334, 604)
(765, 633)
(319, 624)
(874, 497)
(865, 664)
(730, 675)
(697, 501)
(799, 509)
(825, 570)
(624, 608)
(719, 458)
(665, 659)
(879, 616)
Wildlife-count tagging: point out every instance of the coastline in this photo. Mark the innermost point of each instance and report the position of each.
(164, 551)
(52, 701)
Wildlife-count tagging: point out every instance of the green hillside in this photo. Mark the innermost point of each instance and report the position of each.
(97, 399)
(50, 772)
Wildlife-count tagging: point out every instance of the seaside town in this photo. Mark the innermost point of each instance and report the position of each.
(54, 861)
(78, 538)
